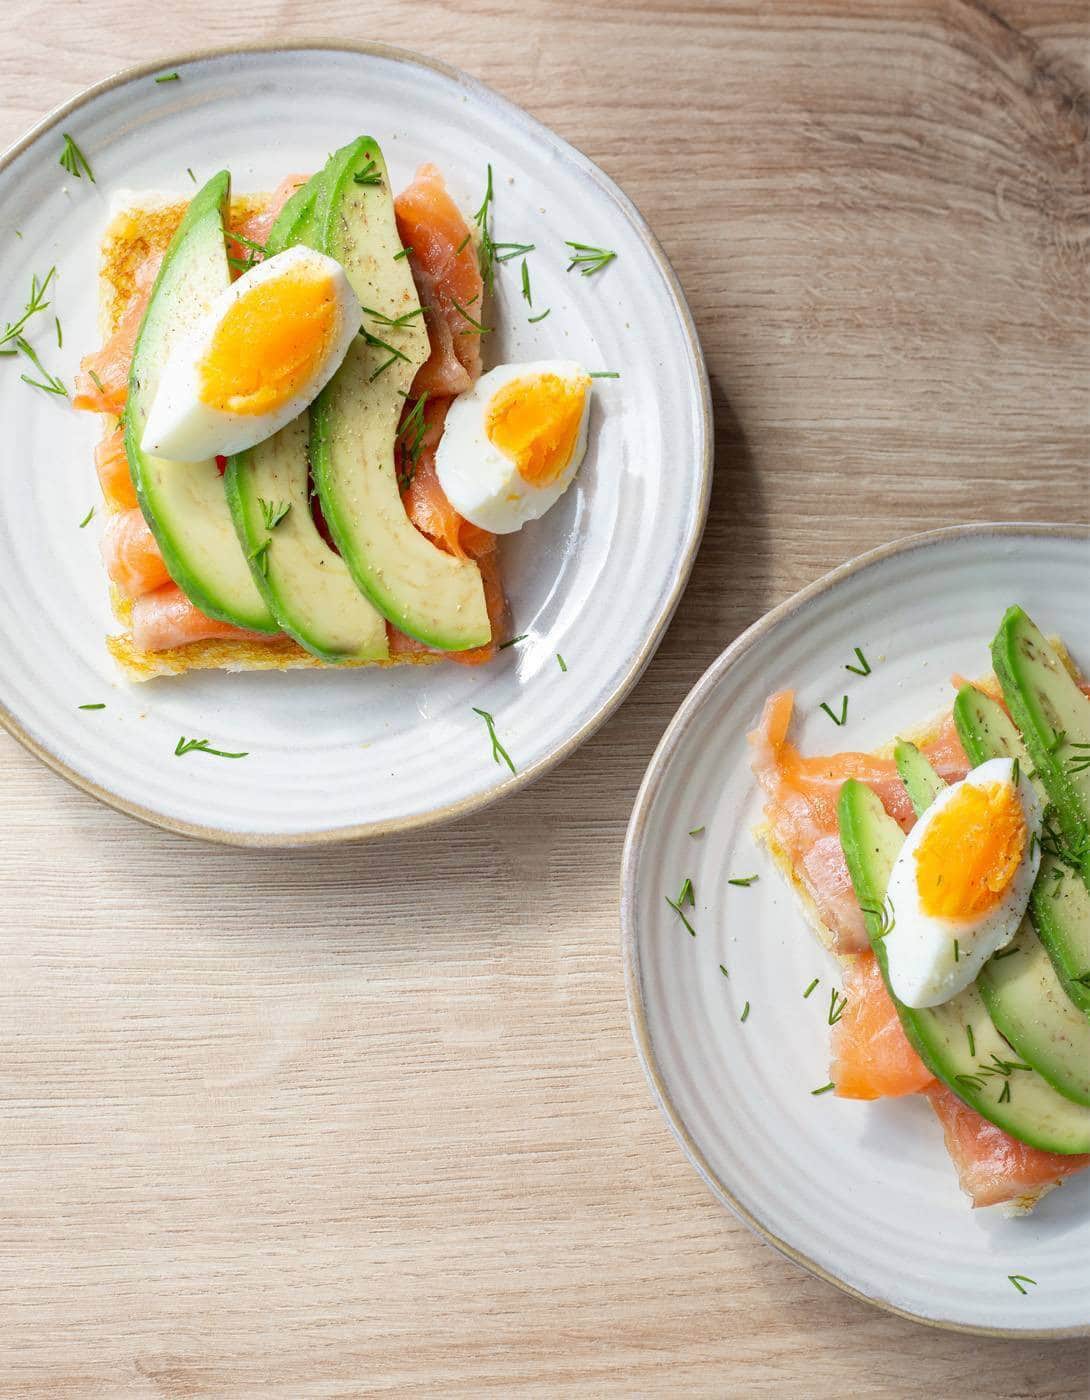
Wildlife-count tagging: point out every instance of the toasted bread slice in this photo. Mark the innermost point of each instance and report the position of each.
(142, 228)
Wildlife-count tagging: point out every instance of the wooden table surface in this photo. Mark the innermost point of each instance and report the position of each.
(369, 1120)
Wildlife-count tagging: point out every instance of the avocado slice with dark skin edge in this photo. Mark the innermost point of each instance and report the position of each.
(425, 592)
(983, 1072)
(1021, 990)
(184, 503)
(305, 583)
(1060, 902)
(1053, 715)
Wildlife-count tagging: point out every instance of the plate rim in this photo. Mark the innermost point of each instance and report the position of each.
(611, 702)
(635, 835)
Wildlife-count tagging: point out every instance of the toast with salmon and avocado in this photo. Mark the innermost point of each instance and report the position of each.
(949, 876)
(298, 462)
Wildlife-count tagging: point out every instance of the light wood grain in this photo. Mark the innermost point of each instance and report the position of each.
(368, 1121)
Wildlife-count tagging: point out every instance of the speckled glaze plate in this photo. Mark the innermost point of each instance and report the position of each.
(864, 1195)
(334, 755)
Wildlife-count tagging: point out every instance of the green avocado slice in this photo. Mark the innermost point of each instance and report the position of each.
(305, 583)
(1053, 715)
(426, 593)
(921, 781)
(957, 1041)
(184, 503)
(1060, 902)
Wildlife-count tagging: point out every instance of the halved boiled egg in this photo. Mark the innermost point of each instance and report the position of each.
(267, 346)
(513, 443)
(961, 882)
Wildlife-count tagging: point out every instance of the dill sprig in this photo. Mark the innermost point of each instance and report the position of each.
(587, 258)
(272, 512)
(685, 894)
(87, 518)
(697, 830)
(723, 970)
(810, 988)
(486, 249)
(511, 250)
(533, 320)
(35, 302)
(60, 333)
(369, 175)
(837, 1003)
(825, 1088)
(185, 746)
(1019, 1279)
(73, 159)
(391, 350)
(476, 327)
(843, 712)
(743, 880)
(512, 641)
(745, 1013)
(260, 556)
(863, 669)
(883, 913)
(49, 382)
(168, 78)
(527, 295)
(971, 1038)
(394, 322)
(499, 753)
(604, 374)
(410, 441)
(561, 662)
(97, 705)
(675, 905)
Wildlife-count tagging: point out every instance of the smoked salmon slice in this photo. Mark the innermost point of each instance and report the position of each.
(801, 796)
(446, 271)
(166, 619)
(132, 556)
(114, 477)
(872, 1056)
(993, 1168)
(102, 383)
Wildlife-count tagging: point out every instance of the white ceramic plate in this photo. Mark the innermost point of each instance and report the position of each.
(862, 1194)
(336, 755)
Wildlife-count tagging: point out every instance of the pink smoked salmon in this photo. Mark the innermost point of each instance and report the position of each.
(131, 554)
(872, 1056)
(166, 619)
(993, 1167)
(114, 477)
(444, 264)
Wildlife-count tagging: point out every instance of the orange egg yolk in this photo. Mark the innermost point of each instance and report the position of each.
(269, 344)
(970, 852)
(535, 421)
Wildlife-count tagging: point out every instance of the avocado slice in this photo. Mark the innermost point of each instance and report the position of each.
(1054, 717)
(1060, 902)
(921, 781)
(305, 583)
(957, 1041)
(1021, 990)
(424, 592)
(184, 502)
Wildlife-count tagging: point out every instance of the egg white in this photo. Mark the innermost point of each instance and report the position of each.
(181, 428)
(923, 970)
(482, 483)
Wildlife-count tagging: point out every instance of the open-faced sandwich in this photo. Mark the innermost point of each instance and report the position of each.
(302, 461)
(950, 877)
